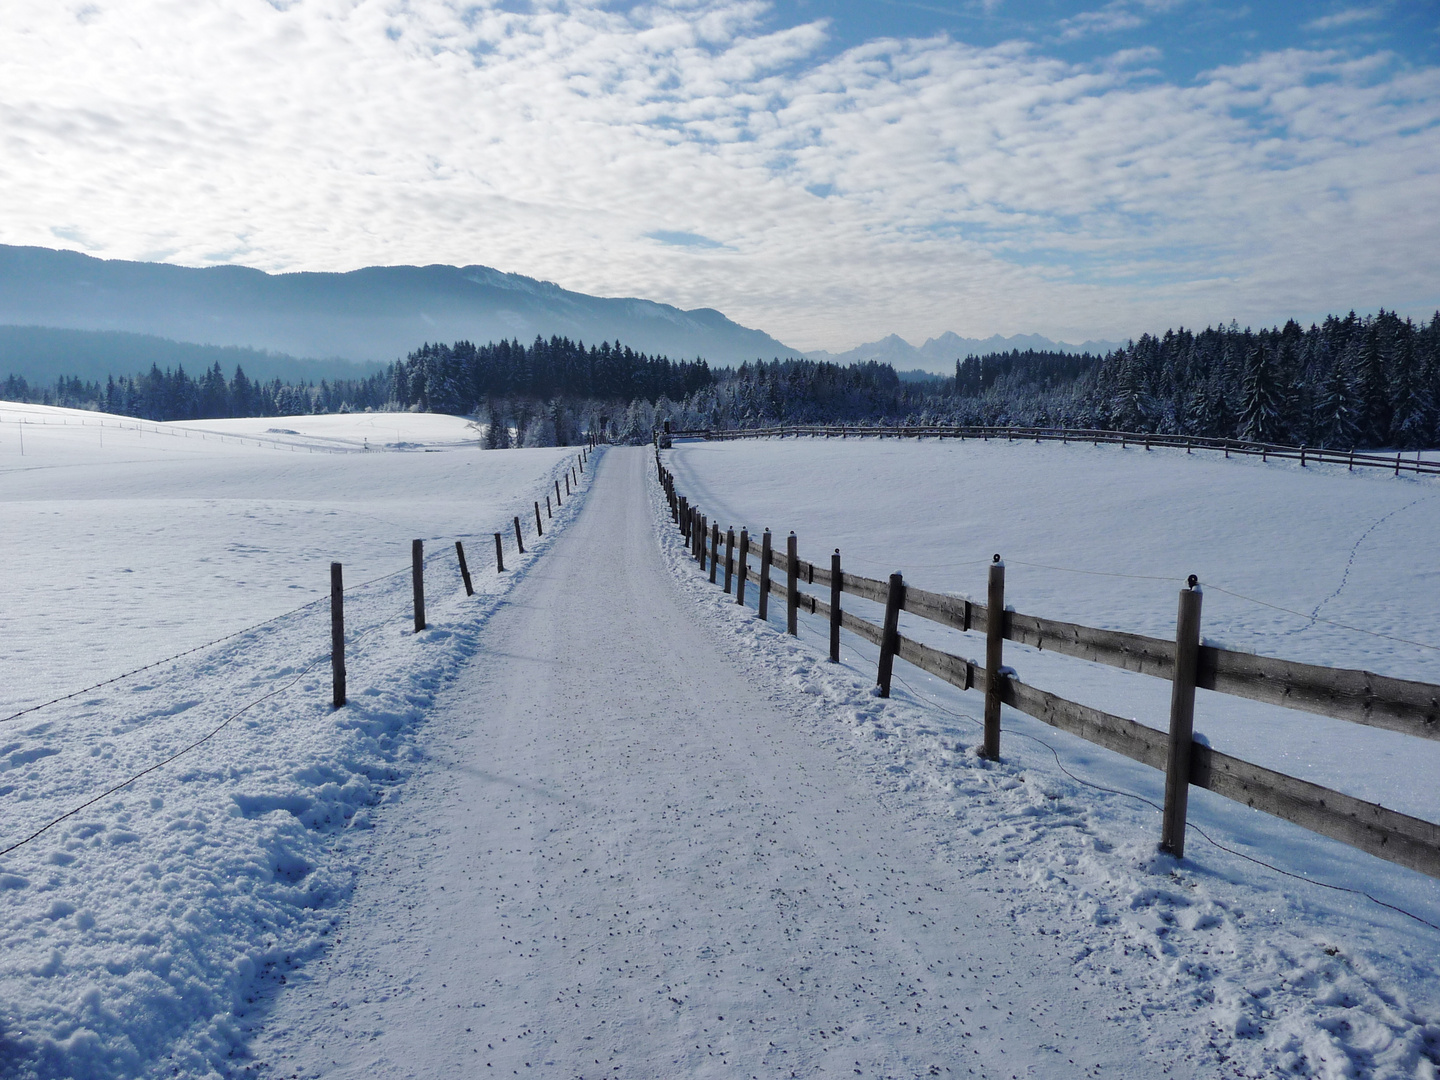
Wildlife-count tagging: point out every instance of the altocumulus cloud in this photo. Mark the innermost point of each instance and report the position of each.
(918, 185)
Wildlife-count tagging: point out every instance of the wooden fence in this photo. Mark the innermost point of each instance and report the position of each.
(1305, 455)
(1361, 697)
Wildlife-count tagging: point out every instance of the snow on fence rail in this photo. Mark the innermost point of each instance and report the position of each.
(1305, 455)
(1361, 697)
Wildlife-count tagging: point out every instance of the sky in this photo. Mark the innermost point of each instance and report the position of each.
(827, 172)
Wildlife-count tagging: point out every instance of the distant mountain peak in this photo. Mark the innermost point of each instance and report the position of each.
(939, 354)
(377, 313)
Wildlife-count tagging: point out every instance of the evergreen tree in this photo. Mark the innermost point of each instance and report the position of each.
(1260, 415)
(1132, 407)
(1373, 388)
(1337, 421)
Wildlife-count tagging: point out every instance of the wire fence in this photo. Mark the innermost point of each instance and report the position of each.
(335, 656)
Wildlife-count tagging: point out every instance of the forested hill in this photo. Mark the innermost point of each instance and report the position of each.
(1349, 382)
(456, 378)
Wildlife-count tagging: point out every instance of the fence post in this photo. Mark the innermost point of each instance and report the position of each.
(499, 556)
(337, 633)
(767, 556)
(519, 539)
(557, 493)
(582, 463)
(567, 484)
(835, 582)
(890, 636)
(1182, 720)
(684, 520)
(464, 570)
(714, 551)
(417, 573)
(744, 568)
(729, 555)
(994, 657)
(792, 587)
(548, 514)
(539, 531)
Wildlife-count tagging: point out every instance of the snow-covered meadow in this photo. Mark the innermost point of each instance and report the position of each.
(147, 934)
(1285, 973)
(139, 931)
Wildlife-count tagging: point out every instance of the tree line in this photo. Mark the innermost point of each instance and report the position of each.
(1350, 382)
(175, 395)
(546, 393)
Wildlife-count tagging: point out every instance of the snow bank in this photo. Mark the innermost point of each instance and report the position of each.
(139, 931)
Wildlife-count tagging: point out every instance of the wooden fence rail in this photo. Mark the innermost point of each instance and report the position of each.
(1362, 697)
(1305, 455)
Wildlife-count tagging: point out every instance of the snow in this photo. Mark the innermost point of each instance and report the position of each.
(1280, 973)
(598, 820)
(191, 537)
(630, 855)
(140, 931)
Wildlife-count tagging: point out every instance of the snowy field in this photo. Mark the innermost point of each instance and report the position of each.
(137, 930)
(1289, 976)
(197, 530)
(183, 925)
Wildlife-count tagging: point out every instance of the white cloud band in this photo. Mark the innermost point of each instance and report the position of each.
(911, 185)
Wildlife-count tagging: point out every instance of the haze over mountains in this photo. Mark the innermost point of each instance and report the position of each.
(939, 354)
(378, 313)
(108, 316)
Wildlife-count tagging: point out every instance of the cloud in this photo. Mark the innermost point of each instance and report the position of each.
(683, 239)
(905, 185)
(1114, 17)
(1108, 20)
(1343, 18)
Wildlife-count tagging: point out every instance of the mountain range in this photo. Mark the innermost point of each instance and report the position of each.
(379, 313)
(939, 354)
(63, 311)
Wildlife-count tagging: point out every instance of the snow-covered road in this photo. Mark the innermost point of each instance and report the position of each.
(626, 857)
